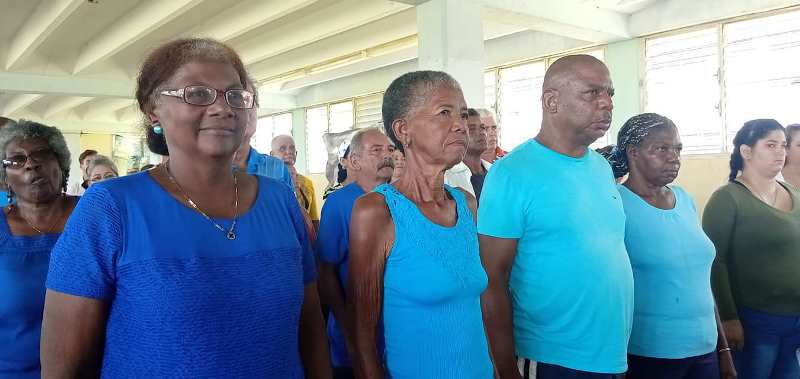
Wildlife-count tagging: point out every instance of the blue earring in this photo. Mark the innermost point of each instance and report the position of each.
(157, 128)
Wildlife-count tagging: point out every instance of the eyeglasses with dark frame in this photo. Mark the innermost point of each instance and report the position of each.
(204, 96)
(18, 161)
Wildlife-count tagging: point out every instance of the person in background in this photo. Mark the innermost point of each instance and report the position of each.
(493, 151)
(754, 222)
(608, 153)
(370, 164)
(553, 239)
(791, 170)
(676, 333)
(101, 168)
(399, 159)
(35, 164)
(77, 189)
(471, 171)
(247, 158)
(179, 270)
(4, 198)
(283, 148)
(414, 262)
(342, 177)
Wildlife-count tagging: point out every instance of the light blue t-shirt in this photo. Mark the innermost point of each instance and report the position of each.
(671, 256)
(571, 283)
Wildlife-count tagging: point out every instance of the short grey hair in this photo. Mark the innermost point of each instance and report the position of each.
(102, 160)
(355, 142)
(483, 112)
(407, 92)
(25, 129)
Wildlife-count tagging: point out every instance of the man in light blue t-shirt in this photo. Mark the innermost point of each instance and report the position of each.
(552, 236)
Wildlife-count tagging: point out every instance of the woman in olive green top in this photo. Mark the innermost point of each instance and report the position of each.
(754, 223)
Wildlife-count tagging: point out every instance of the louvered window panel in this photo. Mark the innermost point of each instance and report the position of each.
(368, 111)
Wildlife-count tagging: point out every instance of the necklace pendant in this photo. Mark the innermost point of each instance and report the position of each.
(231, 235)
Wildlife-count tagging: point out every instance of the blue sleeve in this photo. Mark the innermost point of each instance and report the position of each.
(330, 239)
(286, 177)
(309, 265)
(83, 261)
(501, 212)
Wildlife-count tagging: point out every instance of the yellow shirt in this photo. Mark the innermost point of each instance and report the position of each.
(304, 190)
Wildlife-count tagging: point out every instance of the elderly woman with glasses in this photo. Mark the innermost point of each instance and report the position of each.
(190, 269)
(35, 168)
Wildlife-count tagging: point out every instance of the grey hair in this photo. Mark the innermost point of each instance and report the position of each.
(486, 113)
(355, 142)
(25, 129)
(407, 92)
(102, 160)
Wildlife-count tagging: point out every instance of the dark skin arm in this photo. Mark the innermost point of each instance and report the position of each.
(313, 340)
(726, 367)
(371, 238)
(497, 256)
(331, 294)
(73, 331)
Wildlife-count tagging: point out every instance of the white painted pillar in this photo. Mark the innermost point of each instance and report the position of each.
(451, 39)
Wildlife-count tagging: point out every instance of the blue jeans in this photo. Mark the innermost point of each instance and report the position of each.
(700, 367)
(770, 346)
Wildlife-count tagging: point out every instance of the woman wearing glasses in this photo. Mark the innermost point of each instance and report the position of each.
(101, 168)
(35, 165)
(190, 269)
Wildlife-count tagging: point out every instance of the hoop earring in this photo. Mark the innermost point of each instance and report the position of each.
(157, 129)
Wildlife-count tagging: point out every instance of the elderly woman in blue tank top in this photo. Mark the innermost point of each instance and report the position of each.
(191, 269)
(676, 333)
(414, 262)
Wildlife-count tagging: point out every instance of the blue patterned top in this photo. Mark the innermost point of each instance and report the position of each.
(433, 280)
(23, 269)
(184, 300)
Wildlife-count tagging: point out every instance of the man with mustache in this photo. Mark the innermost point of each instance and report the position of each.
(551, 210)
(470, 173)
(370, 163)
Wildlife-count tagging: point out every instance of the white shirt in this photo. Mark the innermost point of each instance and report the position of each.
(459, 176)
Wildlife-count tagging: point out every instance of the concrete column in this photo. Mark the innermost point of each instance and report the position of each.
(451, 40)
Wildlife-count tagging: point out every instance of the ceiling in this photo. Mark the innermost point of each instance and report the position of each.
(73, 63)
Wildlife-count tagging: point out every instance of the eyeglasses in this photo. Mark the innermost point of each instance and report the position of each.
(18, 161)
(203, 96)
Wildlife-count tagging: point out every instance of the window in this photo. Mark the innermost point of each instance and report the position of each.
(710, 81)
(682, 83)
(515, 98)
(519, 91)
(368, 111)
(341, 117)
(269, 127)
(316, 126)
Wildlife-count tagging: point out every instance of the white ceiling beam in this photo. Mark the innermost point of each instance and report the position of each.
(65, 85)
(47, 17)
(19, 102)
(141, 20)
(387, 30)
(569, 18)
(246, 16)
(674, 14)
(64, 104)
(103, 109)
(322, 23)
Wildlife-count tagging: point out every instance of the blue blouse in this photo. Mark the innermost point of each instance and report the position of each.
(184, 300)
(23, 269)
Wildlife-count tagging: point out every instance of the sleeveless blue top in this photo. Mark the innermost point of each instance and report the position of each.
(433, 280)
(23, 269)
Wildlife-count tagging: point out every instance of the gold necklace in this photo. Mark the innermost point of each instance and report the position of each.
(49, 228)
(230, 234)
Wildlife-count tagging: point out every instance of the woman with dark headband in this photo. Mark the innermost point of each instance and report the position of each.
(754, 222)
(675, 331)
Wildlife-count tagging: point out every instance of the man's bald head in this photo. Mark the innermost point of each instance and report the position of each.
(565, 69)
(284, 149)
